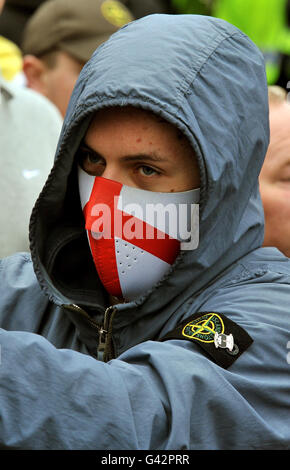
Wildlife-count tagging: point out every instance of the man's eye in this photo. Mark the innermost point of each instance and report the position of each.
(89, 158)
(92, 158)
(147, 170)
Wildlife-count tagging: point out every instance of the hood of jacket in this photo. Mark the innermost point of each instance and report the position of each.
(208, 79)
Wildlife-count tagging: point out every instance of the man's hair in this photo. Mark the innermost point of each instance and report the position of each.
(50, 58)
(277, 95)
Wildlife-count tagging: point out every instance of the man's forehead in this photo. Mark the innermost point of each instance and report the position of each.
(279, 122)
(134, 117)
(279, 110)
(279, 149)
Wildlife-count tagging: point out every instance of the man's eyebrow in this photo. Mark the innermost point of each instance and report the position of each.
(83, 145)
(152, 157)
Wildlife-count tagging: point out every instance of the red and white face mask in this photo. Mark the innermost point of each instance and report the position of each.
(135, 235)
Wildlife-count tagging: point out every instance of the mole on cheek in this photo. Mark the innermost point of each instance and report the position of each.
(139, 140)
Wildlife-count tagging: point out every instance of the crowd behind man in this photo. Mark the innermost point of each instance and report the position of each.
(58, 40)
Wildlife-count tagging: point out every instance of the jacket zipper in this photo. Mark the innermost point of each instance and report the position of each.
(105, 347)
(105, 350)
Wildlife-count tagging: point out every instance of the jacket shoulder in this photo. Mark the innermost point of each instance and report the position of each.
(264, 265)
(16, 271)
(21, 297)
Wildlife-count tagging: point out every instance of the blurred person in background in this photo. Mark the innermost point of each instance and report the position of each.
(275, 174)
(192, 352)
(12, 22)
(14, 18)
(30, 126)
(59, 39)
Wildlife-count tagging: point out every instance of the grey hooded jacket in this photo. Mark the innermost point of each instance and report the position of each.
(78, 374)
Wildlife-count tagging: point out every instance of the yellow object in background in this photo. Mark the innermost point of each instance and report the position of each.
(10, 59)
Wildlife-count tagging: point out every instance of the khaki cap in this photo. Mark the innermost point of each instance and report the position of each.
(77, 27)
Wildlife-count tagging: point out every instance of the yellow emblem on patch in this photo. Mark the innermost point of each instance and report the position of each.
(116, 13)
(204, 328)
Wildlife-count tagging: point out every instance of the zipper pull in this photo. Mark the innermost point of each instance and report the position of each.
(105, 348)
(104, 339)
(102, 344)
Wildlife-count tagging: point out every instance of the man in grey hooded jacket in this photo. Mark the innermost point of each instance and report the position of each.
(80, 370)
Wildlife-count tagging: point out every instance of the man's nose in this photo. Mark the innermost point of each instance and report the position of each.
(112, 173)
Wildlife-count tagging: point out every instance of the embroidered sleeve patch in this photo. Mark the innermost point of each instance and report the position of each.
(221, 338)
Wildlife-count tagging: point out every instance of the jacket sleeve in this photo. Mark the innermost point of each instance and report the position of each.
(155, 396)
(62, 399)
